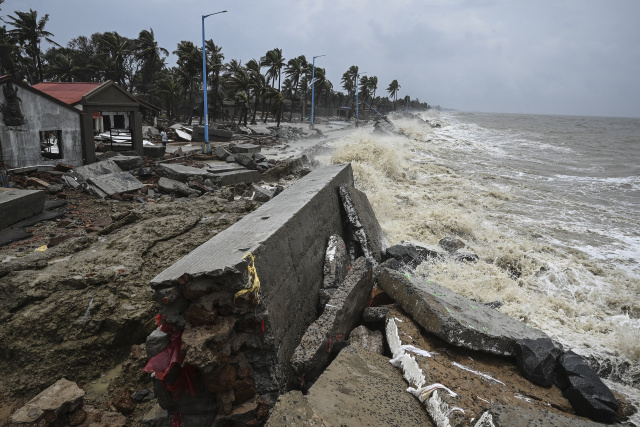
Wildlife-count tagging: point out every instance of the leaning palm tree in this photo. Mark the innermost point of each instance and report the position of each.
(62, 67)
(275, 95)
(373, 86)
(115, 51)
(150, 56)
(168, 88)
(258, 85)
(393, 89)
(9, 53)
(349, 82)
(29, 31)
(190, 66)
(295, 71)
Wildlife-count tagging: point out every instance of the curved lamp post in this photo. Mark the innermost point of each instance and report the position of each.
(204, 81)
(313, 88)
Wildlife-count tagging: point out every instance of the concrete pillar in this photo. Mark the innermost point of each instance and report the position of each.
(136, 131)
(88, 145)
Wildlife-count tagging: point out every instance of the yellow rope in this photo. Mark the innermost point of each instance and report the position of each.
(253, 284)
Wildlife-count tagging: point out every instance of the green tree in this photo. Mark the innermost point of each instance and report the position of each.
(215, 59)
(295, 71)
(151, 59)
(62, 66)
(393, 89)
(189, 66)
(169, 90)
(258, 85)
(29, 32)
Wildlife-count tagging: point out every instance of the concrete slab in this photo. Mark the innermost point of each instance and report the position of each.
(127, 163)
(287, 238)
(181, 173)
(113, 183)
(171, 186)
(17, 205)
(83, 173)
(245, 176)
(515, 416)
(340, 316)
(246, 148)
(364, 223)
(217, 167)
(360, 388)
(453, 318)
(154, 151)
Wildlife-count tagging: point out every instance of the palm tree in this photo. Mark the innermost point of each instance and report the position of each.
(373, 86)
(190, 66)
(349, 83)
(274, 61)
(147, 51)
(29, 31)
(275, 95)
(295, 71)
(114, 52)
(393, 89)
(214, 66)
(168, 87)
(62, 67)
(258, 85)
(9, 53)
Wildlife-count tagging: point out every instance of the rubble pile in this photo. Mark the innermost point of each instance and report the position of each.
(293, 312)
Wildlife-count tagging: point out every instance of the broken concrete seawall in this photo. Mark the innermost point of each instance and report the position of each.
(241, 344)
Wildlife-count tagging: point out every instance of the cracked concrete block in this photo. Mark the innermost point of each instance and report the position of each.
(453, 318)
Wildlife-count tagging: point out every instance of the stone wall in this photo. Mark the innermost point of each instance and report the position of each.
(241, 343)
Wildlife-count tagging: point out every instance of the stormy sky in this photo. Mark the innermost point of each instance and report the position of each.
(574, 57)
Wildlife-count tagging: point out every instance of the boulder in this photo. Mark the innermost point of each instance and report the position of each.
(181, 173)
(61, 398)
(451, 244)
(537, 360)
(261, 194)
(246, 148)
(113, 183)
(413, 254)
(222, 152)
(245, 160)
(517, 416)
(588, 395)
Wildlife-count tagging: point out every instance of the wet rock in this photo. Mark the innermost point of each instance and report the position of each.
(61, 398)
(363, 223)
(588, 395)
(244, 176)
(465, 256)
(83, 173)
(366, 339)
(55, 188)
(376, 315)
(537, 360)
(451, 244)
(286, 167)
(340, 315)
(413, 254)
(142, 395)
(453, 318)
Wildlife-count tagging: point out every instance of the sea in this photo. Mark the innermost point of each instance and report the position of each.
(550, 204)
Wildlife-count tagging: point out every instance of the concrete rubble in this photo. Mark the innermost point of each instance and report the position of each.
(293, 312)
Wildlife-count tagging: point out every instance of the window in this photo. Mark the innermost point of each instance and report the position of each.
(51, 144)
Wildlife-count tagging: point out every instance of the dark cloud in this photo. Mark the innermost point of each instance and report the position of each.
(559, 57)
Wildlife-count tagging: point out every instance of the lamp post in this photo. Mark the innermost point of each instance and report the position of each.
(357, 83)
(313, 88)
(204, 81)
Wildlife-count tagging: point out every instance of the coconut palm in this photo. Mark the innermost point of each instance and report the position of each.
(393, 89)
(373, 86)
(275, 95)
(258, 85)
(168, 88)
(190, 66)
(150, 56)
(274, 61)
(215, 66)
(9, 53)
(29, 31)
(295, 71)
(115, 51)
(62, 67)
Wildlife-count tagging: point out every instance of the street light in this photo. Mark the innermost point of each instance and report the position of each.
(357, 82)
(313, 87)
(204, 81)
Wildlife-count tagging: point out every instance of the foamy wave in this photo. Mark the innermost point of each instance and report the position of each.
(417, 195)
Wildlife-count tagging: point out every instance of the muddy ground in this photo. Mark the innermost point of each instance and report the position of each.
(75, 309)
